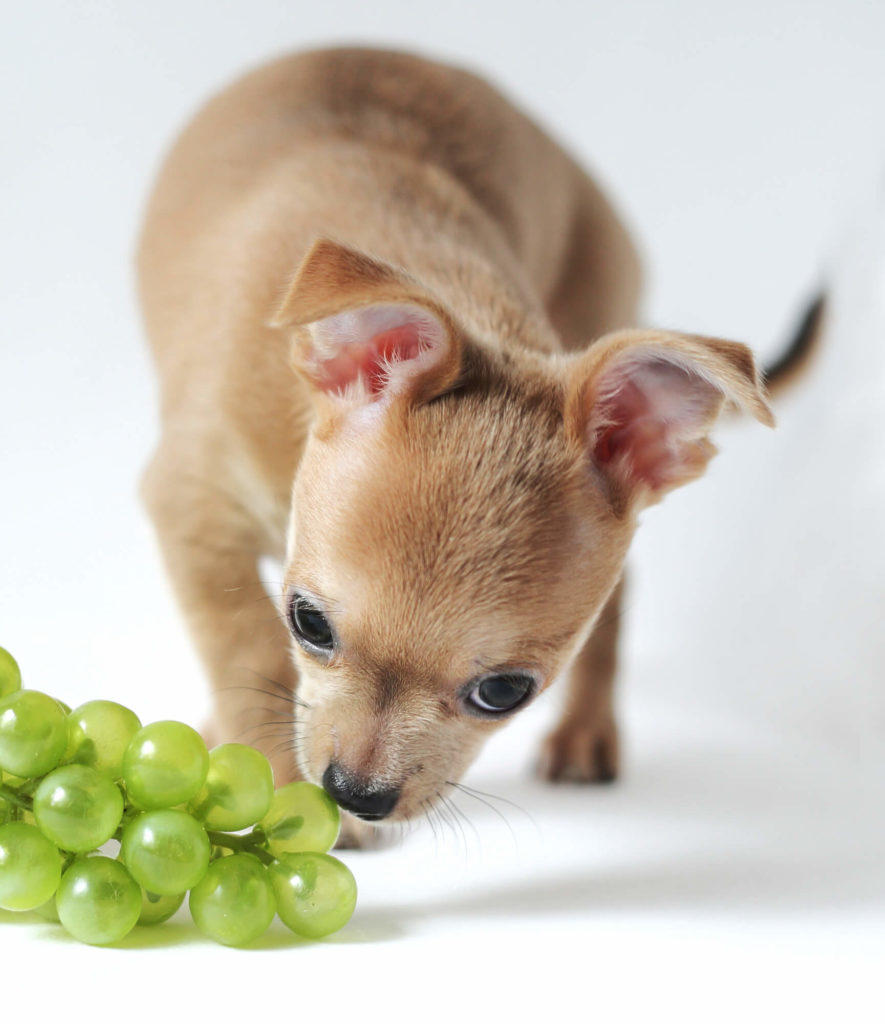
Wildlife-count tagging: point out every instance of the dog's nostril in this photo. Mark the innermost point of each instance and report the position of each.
(364, 801)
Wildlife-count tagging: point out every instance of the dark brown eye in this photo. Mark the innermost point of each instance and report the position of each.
(496, 694)
(310, 625)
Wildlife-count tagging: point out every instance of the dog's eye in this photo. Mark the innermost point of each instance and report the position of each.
(310, 626)
(493, 695)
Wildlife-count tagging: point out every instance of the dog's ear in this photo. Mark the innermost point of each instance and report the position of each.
(642, 404)
(365, 332)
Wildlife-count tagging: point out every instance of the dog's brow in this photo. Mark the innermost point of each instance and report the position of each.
(388, 690)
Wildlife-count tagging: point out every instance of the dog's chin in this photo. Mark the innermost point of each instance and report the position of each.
(358, 834)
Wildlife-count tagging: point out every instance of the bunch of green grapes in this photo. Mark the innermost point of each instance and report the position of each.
(187, 820)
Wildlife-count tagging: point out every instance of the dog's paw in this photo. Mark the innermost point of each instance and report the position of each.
(581, 751)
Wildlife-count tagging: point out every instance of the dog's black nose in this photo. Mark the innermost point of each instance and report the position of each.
(354, 796)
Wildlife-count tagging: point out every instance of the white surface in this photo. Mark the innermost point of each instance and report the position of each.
(737, 870)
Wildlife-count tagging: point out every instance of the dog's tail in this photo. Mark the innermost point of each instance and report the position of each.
(798, 355)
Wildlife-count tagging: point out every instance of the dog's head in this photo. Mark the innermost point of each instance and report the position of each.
(461, 513)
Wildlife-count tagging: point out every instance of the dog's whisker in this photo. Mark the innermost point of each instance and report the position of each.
(285, 747)
(456, 825)
(266, 736)
(270, 586)
(264, 597)
(427, 808)
(275, 683)
(264, 746)
(267, 728)
(283, 716)
(270, 723)
(488, 804)
(465, 818)
(471, 791)
(280, 690)
(285, 735)
(456, 817)
(289, 699)
(276, 617)
(446, 815)
(444, 826)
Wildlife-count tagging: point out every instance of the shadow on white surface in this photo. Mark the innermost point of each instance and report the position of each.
(712, 828)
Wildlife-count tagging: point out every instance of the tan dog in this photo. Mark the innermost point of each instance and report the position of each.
(457, 468)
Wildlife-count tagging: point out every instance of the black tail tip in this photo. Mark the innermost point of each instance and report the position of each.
(802, 343)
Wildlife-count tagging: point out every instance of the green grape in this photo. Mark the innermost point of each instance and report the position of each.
(78, 808)
(33, 733)
(155, 909)
(166, 851)
(315, 893)
(99, 732)
(234, 903)
(98, 900)
(30, 867)
(48, 911)
(302, 818)
(238, 789)
(165, 764)
(10, 674)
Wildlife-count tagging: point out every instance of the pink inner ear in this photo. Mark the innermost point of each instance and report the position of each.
(364, 353)
(632, 437)
(651, 420)
(370, 360)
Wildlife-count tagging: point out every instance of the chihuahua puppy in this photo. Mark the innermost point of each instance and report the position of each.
(393, 325)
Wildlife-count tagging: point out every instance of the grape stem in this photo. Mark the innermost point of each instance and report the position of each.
(241, 844)
(13, 797)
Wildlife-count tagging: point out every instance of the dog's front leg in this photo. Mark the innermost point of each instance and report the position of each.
(211, 549)
(584, 745)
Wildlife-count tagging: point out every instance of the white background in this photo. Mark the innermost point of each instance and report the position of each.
(739, 867)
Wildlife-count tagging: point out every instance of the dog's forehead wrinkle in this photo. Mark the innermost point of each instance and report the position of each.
(457, 483)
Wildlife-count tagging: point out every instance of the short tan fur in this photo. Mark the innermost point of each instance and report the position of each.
(394, 324)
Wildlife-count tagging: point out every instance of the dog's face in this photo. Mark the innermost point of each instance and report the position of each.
(445, 562)
(460, 516)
